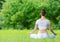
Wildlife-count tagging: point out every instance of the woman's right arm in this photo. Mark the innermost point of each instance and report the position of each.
(51, 29)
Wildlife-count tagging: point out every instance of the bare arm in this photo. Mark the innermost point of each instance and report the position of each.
(35, 28)
(51, 29)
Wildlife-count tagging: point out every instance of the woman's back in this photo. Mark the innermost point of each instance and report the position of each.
(42, 24)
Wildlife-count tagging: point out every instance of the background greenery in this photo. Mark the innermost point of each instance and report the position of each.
(22, 14)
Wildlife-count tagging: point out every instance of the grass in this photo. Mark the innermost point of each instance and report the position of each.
(23, 36)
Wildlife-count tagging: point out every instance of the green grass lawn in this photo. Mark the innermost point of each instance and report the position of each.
(23, 36)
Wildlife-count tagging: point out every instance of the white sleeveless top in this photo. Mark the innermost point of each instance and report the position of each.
(42, 24)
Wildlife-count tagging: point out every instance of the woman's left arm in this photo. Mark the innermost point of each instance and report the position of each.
(35, 28)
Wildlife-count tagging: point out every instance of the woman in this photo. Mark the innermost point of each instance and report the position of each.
(42, 24)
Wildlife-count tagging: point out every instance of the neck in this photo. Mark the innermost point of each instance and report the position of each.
(43, 17)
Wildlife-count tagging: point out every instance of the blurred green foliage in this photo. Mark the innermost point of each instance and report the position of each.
(1, 3)
(22, 14)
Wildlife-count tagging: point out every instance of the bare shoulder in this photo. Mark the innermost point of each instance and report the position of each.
(38, 20)
(48, 20)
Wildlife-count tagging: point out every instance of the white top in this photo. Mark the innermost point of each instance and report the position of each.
(42, 24)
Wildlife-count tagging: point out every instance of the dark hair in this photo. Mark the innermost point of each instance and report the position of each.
(43, 12)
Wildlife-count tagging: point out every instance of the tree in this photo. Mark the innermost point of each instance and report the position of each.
(20, 14)
(1, 3)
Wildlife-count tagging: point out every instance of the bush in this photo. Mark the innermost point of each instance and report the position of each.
(21, 14)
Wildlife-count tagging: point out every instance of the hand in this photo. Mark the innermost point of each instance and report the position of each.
(54, 33)
(31, 33)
